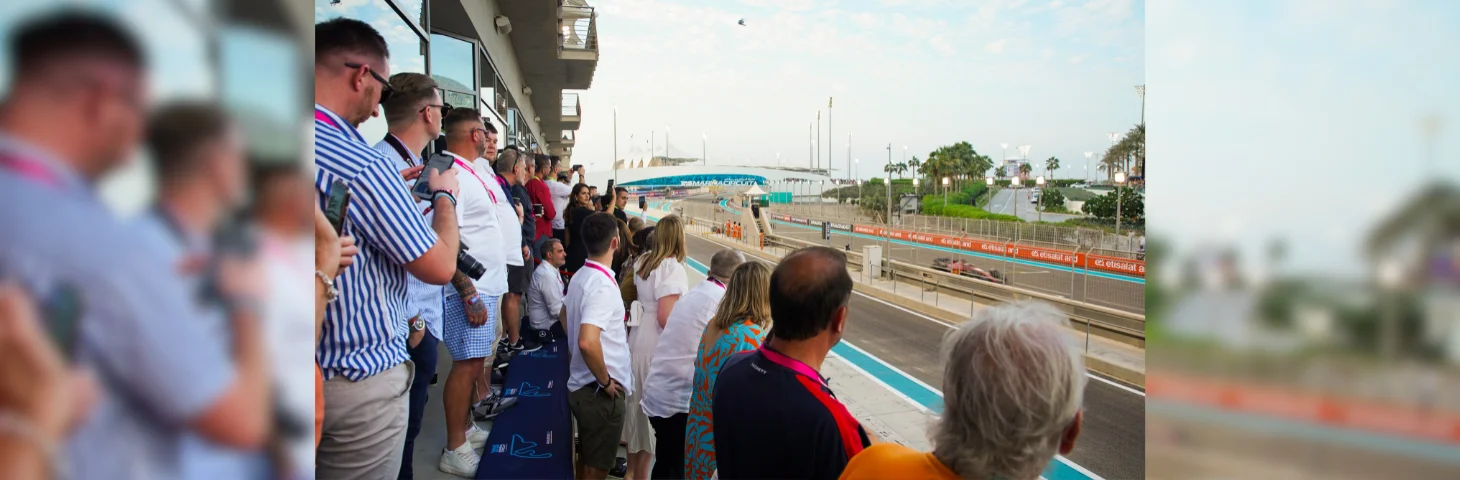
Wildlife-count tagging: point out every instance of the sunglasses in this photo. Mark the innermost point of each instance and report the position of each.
(444, 108)
(385, 92)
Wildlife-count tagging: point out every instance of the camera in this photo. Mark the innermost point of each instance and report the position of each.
(468, 265)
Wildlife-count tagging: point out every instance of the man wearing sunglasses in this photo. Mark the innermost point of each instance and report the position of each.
(363, 349)
(414, 114)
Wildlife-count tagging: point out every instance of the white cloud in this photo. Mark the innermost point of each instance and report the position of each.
(997, 46)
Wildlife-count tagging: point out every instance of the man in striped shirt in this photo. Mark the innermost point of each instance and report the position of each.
(363, 349)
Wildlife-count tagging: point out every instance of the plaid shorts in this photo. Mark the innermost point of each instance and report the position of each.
(463, 340)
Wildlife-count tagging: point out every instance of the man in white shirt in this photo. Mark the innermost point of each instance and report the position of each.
(509, 216)
(670, 383)
(545, 296)
(599, 377)
(471, 307)
(560, 192)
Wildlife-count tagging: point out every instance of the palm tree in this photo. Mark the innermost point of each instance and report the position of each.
(1052, 165)
(1024, 169)
(1000, 172)
(914, 165)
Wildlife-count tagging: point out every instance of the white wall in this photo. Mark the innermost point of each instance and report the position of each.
(499, 47)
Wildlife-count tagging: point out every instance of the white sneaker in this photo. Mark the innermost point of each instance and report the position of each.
(476, 437)
(461, 462)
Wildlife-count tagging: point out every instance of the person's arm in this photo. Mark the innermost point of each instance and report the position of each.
(476, 311)
(549, 212)
(670, 285)
(437, 264)
(46, 397)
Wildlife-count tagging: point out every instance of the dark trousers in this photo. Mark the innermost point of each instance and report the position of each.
(424, 355)
(560, 234)
(668, 446)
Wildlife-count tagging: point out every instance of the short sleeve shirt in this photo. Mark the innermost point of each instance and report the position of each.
(424, 299)
(593, 299)
(775, 420)
(481, 226)
(670, 382)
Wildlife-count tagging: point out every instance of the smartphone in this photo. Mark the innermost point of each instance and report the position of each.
(337, 204)
(439, 162)
(537, 209)
(577, 167)
(62, 312)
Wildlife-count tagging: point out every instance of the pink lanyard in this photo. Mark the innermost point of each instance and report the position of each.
(793, 364)
(30, 169)
(318, 115)
(473, 173)
(717, 283)
(601, 269)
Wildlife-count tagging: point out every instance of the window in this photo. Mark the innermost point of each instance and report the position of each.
(261, 86)
(405, 45)
(453, 65)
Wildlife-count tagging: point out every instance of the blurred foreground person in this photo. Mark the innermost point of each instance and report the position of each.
(201, 176)
(363, 355)
(75, 112)
(774, 414)
(41, 398)
(1012, 389)
(659, 281)
(282, 211)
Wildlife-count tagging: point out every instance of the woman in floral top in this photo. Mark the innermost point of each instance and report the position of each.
(739, 325)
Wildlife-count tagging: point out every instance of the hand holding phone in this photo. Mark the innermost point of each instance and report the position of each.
(438, 175)
(537, 210)
(337, 204)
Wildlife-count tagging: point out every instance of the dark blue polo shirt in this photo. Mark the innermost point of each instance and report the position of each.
(775, 417)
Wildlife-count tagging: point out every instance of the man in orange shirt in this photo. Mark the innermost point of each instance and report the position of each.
(1012, 389)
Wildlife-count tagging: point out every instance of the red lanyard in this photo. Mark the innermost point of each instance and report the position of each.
(717, 282)
(791, 363)
(601, 269)
(30, 169)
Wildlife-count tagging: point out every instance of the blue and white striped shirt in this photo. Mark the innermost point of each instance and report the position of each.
(425, 299)
(364, 329)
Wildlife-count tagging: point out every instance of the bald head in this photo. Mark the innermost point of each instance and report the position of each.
(807, 289)
(723, 264)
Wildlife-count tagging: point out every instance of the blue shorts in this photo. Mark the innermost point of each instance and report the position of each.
(463, 340)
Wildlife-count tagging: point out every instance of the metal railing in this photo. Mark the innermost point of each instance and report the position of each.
(578, 28)
(1114, 324)
(568, 136)
(1085, 240)
(571, 108)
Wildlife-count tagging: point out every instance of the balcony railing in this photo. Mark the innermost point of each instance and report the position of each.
(571, 108)
(568, 136)
(578, 28)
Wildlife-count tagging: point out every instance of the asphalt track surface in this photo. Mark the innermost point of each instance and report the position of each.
(1109, 290)
(1112, 440)
(1027, 210)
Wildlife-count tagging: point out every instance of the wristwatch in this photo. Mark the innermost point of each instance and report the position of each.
(418, 324)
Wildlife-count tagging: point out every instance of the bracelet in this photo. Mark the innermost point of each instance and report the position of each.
(448, 195)
(330, 293)
(14, 425)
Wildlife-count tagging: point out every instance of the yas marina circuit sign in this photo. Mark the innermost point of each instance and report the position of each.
(702, 180)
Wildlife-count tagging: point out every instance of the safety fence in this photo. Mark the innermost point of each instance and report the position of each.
(933, 285)
(1083, 276)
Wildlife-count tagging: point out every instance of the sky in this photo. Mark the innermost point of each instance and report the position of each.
(1054, 75)
(1297, 120)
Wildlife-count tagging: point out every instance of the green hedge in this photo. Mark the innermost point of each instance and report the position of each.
(933, 205)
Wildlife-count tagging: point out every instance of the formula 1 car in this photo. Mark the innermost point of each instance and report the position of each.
(967, 269)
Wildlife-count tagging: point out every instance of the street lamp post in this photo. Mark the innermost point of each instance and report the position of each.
(1014, 184)
(945, 192)
(1039, 204)
(1119, 181)
(615, 144)
(888, 233)
(854, 167)
(704, 148)
(916, 191)
(666, 142)
(1087, 166)
(1141, 90)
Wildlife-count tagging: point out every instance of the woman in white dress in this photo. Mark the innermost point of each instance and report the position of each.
(660, 279)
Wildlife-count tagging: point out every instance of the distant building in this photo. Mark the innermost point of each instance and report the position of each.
(1417, 248)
